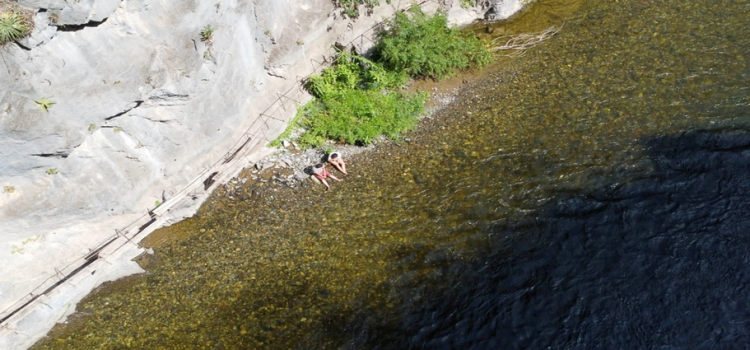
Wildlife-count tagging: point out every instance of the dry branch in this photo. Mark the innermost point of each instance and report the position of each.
(521, 42)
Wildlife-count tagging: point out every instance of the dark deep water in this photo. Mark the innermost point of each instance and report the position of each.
(662, 262)
(589, 194)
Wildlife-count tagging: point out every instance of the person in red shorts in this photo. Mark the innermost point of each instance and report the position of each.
(320, 172)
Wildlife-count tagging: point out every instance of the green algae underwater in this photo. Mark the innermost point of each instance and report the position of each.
(283, 268)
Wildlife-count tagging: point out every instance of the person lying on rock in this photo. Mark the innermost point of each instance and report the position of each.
(336, 160)
(320, 172)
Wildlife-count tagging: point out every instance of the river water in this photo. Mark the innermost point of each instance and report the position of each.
(593, 193)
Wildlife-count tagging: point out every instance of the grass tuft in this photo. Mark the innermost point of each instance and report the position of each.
(207, 34)
(14, 23)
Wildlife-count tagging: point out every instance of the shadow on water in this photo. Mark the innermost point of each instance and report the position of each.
(661, 262)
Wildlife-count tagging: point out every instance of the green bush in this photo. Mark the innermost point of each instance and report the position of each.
(360, 116)
(426, 46)
(353, 72)
(356, 100)
(13, 25)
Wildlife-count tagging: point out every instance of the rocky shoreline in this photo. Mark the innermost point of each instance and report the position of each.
(289, 165)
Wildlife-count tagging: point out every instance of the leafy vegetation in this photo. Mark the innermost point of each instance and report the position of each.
(51, 171)
(425, 46)
(44, 103)
(356, 100)
(353, 72)
(360, 116)
(14, 24)
(468, 3)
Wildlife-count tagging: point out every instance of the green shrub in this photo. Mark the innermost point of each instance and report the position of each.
(353, 72)
(426, 46)
(356, 100)
(360, 116)
(13, 25)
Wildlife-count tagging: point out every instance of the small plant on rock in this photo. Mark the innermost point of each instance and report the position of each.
(44, 103)
(9, 189)
(356, 101)
(14, 23)
(52, 171)
(207, 34)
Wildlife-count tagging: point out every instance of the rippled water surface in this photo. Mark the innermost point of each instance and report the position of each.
(593, 193)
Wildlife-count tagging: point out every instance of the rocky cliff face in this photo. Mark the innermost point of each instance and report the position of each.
(144, 104)
(140, 102)
(141, 107)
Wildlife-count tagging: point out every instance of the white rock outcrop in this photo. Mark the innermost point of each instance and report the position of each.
(502, 9)
(144, 112)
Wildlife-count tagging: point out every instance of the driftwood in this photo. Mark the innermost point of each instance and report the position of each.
(517, 44)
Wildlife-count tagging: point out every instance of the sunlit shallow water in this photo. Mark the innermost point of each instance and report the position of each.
(591, 193)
